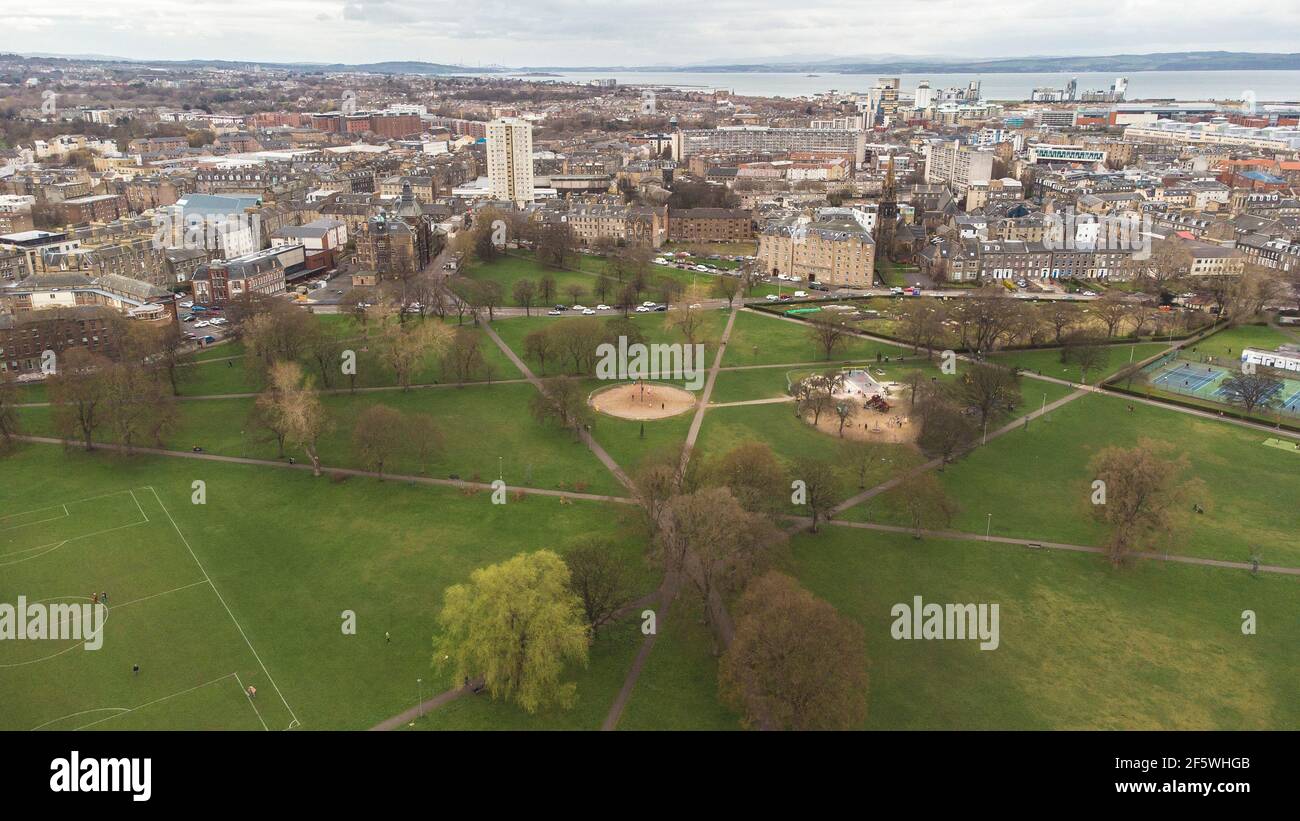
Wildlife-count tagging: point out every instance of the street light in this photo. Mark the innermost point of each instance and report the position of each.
(988, 528)
(419, 695)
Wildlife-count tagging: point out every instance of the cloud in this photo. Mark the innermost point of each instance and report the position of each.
(647, 32)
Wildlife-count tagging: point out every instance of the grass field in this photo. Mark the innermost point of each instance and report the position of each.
(1082, 645)
(1036, 483)
(760, 339)
(288, 554)
(531, 454)
(1048, 362)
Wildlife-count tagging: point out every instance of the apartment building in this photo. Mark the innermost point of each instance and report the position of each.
(762, 139)
(710, 225)
(24, 337)
(833, 248)
(624, 224)
(957, 165)
(510, 160)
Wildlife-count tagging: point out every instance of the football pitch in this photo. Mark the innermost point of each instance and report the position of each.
(164, 615)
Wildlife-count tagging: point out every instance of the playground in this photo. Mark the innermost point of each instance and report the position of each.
(881, 414)
(642, 401)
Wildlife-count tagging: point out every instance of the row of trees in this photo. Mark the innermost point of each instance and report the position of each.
(128, 397)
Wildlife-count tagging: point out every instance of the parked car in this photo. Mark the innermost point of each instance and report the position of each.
(602, 307)
(641, 309)
(202, 324)
(554, 312)
(648, 304)
(561, 307)
(800, 293)
(588, 312)
(772, 297)
(661, 307)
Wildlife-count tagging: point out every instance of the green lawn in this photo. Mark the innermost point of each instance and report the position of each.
(678, 688)
(1048, 362)
(289, 554)
(1082, 645)
(655, 327)
(760, 339)
(532, 455)
(1226, 345)
(1036, 483)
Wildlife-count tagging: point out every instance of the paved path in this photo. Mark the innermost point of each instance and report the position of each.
(404, 718)
(698, 420)
(396, 477)
(775, 400)
(327, 391)
(588, 440)
(672, 581)
(1078, 548)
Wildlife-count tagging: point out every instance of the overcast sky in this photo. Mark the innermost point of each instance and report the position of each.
(637, 32)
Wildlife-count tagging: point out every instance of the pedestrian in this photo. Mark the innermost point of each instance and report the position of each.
(291, 461)
(103, 598)
(252, 691)
(94, 598)
(135, 669)
(388, 639)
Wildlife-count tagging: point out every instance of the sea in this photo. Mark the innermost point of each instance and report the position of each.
(1184, 86)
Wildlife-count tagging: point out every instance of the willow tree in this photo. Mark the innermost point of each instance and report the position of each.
(516, 624)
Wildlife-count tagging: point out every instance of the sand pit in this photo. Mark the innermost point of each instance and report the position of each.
(642, 400)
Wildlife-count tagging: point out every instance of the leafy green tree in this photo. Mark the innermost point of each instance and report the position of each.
(516, 624)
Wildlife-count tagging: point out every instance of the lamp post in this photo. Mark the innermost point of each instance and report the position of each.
(419, 695)
(988, 528)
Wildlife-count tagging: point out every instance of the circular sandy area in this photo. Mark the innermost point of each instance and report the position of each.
(642, 400)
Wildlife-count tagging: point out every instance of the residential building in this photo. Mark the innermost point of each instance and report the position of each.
(510, 160)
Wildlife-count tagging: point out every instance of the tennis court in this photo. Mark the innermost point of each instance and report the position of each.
(1205, 381)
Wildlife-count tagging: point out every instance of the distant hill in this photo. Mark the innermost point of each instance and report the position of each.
(390, 67)
(1170, 61)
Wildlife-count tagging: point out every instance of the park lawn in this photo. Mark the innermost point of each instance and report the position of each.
(289, 555)
(1048, 362)
(775, 425)
(1037, 485)
(1083, 645)
(654, 327)
(479, 423)
(609, 658)
(761, 339)
(678, 687)
(236, 375)
(1227, 344)
(508, 270)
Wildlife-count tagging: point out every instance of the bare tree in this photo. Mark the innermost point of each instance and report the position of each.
(1142, 490)
(599, 580)
(377, 437)
(1251, 390)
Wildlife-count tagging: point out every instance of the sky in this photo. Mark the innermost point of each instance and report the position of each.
(637, 32)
